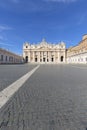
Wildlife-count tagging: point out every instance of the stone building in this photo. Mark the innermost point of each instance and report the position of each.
(78, 53)
(44, 52)
(9, 57)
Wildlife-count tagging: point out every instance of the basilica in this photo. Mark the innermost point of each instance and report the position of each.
(44, 52)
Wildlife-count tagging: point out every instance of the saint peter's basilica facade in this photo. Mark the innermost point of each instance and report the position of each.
(44, 52)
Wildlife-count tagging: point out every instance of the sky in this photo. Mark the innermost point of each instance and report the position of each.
(32, 20)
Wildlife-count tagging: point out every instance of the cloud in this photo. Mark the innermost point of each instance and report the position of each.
(6, 44)
(61, 1)
(4, 27)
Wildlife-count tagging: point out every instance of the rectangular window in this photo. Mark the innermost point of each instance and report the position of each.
(11, 58)
(1, 57)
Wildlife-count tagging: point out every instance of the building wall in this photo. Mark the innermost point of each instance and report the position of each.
(44, 52)
(78, 54)
(9, 57)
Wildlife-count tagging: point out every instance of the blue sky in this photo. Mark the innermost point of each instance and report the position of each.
(33, 20)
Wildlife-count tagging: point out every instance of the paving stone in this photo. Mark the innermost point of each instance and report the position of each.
(52, 99)
(10, 73)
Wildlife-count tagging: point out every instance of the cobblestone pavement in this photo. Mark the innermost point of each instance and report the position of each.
(54, 98)
(10, 73)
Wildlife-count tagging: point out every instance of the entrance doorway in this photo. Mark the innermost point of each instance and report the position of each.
(26, 59)
(35, 59)
(52, 59)
(44, 59)
(61, 58)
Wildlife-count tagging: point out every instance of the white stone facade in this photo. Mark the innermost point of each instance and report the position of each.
(44, 52)
(80, 58)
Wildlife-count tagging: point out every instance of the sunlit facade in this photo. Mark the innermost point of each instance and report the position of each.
(44, 52)
(78, 54)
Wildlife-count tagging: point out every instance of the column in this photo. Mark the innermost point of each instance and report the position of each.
(33, 56)
(46, 57)
(58, 56)
(54, 57)
(64, 56)
(42, 56)
(38, 56)
(50, 57)
(29, 60)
